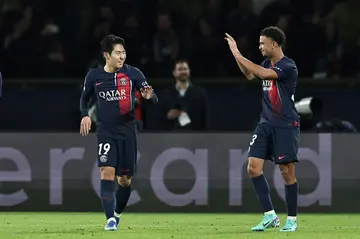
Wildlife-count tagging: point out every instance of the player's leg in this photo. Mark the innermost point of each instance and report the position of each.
(107, 163)
(258, 153)
(291, 196)
(122, 195)
(286, 149)
(125, 170)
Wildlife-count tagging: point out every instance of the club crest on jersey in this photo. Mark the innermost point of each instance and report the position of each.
(103, 158)
(123, 81)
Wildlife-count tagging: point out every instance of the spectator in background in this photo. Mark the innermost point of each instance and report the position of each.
(184, 106)
(208, 46)
(137, 49)
(19, 38)
(55, 62)
(166, 43)
(103, 25)
(242, 16)
(329, 54)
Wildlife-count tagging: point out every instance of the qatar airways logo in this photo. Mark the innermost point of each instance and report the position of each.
(113, 95)
(267, 85)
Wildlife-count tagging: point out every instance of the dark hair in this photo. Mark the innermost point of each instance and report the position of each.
(108, 42)
(275, 34)
(179, 61)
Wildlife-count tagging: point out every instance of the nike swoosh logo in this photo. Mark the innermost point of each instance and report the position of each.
(281, 157)
(266, 224)
(99, 83)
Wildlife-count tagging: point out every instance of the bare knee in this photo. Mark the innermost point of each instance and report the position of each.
(255, 167)
(288, 173)
(124, 181)
(107, 173)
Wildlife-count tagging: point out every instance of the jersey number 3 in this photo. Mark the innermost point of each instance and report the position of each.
(253, 139)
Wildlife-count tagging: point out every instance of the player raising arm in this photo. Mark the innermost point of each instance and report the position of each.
(250, 69)
(114, 86)
(276, 135)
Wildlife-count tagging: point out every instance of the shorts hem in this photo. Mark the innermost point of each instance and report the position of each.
(287, 162)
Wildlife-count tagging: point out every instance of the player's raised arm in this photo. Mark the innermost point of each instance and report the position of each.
(88, 90)
(250, 69)
(146, 90)
(236, 54)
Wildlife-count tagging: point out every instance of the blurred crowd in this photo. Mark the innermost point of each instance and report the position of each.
(41, 38)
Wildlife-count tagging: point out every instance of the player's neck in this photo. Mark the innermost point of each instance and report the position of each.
(276, 58)
(110, 69)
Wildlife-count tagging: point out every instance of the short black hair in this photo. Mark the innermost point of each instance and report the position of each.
(275, 34)
(108, 42)
(179, 61)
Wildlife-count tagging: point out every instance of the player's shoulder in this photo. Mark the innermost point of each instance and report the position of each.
(134, 70)
(288, 62)
(95, 71)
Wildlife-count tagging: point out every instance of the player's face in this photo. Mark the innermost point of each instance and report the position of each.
(117, 57)
(182, 71)
(266, 46)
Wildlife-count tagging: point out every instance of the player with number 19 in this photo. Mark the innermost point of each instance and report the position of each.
(276, 135)
(114, 86)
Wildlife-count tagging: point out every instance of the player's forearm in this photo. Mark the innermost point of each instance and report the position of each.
(253, 69)
(84, 106)
(243, 69)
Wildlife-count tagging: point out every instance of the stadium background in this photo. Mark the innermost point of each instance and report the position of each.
(46, 48)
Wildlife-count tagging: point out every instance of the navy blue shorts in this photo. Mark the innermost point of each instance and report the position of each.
(275, 143)
(120, 154)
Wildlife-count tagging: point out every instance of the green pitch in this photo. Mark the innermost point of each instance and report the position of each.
(167, 226)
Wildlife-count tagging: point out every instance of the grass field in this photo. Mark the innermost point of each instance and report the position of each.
(161, 226)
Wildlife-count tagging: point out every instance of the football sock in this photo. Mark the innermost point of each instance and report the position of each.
(122, 198)
(291, 196)
(107, 197)
(263, 192)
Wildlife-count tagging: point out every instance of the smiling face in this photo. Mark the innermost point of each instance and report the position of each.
(116, 58)
(267, 46)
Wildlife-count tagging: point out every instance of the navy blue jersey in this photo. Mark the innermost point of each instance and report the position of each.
(278, 107)
(115, 96)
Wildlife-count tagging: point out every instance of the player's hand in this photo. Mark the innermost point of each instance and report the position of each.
(173, 114)
(232, 43)
(85, 126)
(146, 92)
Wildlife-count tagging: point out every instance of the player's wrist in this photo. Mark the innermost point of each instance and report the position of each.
(237, 55)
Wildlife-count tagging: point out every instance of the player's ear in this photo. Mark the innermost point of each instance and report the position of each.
(274, 43)
(106, 55)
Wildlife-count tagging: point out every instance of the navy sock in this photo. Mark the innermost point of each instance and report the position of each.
(107, 197)
(122, 198)
(263, 192)
(291, 196)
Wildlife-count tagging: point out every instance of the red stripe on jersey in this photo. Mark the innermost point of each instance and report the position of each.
(274, 97)
(124, 88)
(138, 111)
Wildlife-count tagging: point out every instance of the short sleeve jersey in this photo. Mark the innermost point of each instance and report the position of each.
(278, 106)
